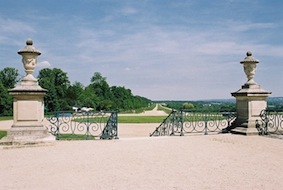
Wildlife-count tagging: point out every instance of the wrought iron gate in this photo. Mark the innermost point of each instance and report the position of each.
(270, 123)
(86, 125)
(181, 122)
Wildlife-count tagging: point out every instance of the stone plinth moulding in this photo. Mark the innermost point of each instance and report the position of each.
(28, 105)
(251, 99)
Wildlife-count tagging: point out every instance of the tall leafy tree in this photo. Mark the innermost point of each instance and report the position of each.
(74, 92)
(6, 101)
(9, 77)
(122, 97)
(56, 82)
(61, 82)
(100, 86)
(101, 89)
(88, 98)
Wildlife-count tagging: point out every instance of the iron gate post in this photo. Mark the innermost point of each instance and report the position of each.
(205, 123)
(182, 123)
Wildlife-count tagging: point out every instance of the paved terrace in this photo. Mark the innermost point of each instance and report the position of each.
(137, 161)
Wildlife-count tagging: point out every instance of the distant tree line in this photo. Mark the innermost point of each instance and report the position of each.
(200, 105)
(8, 78)
(62, 95)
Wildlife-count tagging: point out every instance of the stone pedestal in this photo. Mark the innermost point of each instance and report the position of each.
(250, 101)
(28, 106)
(28, 114)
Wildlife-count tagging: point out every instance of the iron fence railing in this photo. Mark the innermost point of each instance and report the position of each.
(86, 125)
(171, 125)
(181, 122)
(270, 123)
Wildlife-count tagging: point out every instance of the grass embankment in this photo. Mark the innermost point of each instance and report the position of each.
(165, 109)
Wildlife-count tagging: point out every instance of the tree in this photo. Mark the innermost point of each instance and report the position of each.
(88, 98)
(100, 86)
(61, 82)
(6, 101)
(9, 77)
(74, 92)
(122, 97)
(101, 89)
(56, 82)
(188, 106)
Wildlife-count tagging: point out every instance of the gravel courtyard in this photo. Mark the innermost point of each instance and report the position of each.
(137, 161)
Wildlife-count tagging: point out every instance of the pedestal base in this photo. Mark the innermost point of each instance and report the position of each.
(245, 131)
(27, 136)
(250, 101)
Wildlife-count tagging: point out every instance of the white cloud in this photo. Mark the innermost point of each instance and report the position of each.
(246, 26)
(15, 26)
(43, 64)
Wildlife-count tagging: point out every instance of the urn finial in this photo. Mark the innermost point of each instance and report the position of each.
(29, 42)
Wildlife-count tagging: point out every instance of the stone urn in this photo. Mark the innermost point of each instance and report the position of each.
(249, 64)
(29, 58)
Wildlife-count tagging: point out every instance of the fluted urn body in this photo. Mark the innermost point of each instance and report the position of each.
(249, 64)
(29, 58)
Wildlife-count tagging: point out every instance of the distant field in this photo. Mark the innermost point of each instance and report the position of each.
(125, 119)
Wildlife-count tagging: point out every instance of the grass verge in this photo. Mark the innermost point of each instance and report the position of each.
(141, 119)
(3, 118)
(165, 109)
(75, 137)
(3, 134)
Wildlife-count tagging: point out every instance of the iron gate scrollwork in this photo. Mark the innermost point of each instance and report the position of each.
(271, 122)
(207, 121)
(171, 125)
(181, 122)
(85, 125)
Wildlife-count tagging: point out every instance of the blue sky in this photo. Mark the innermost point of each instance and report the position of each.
(160, 49)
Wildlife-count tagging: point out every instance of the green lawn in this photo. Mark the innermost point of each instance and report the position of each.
(75, 137)
(3, 118)
(141, 119)
(3, 134)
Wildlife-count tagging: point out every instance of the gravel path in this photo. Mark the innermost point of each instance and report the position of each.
(190, 162)
(137, 161)
(153, 112)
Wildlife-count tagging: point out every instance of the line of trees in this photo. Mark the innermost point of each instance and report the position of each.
(223, 105)
(62, 95)
(8, 78)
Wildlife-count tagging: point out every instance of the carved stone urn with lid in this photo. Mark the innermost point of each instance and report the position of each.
(29, 58)
(249, 64)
